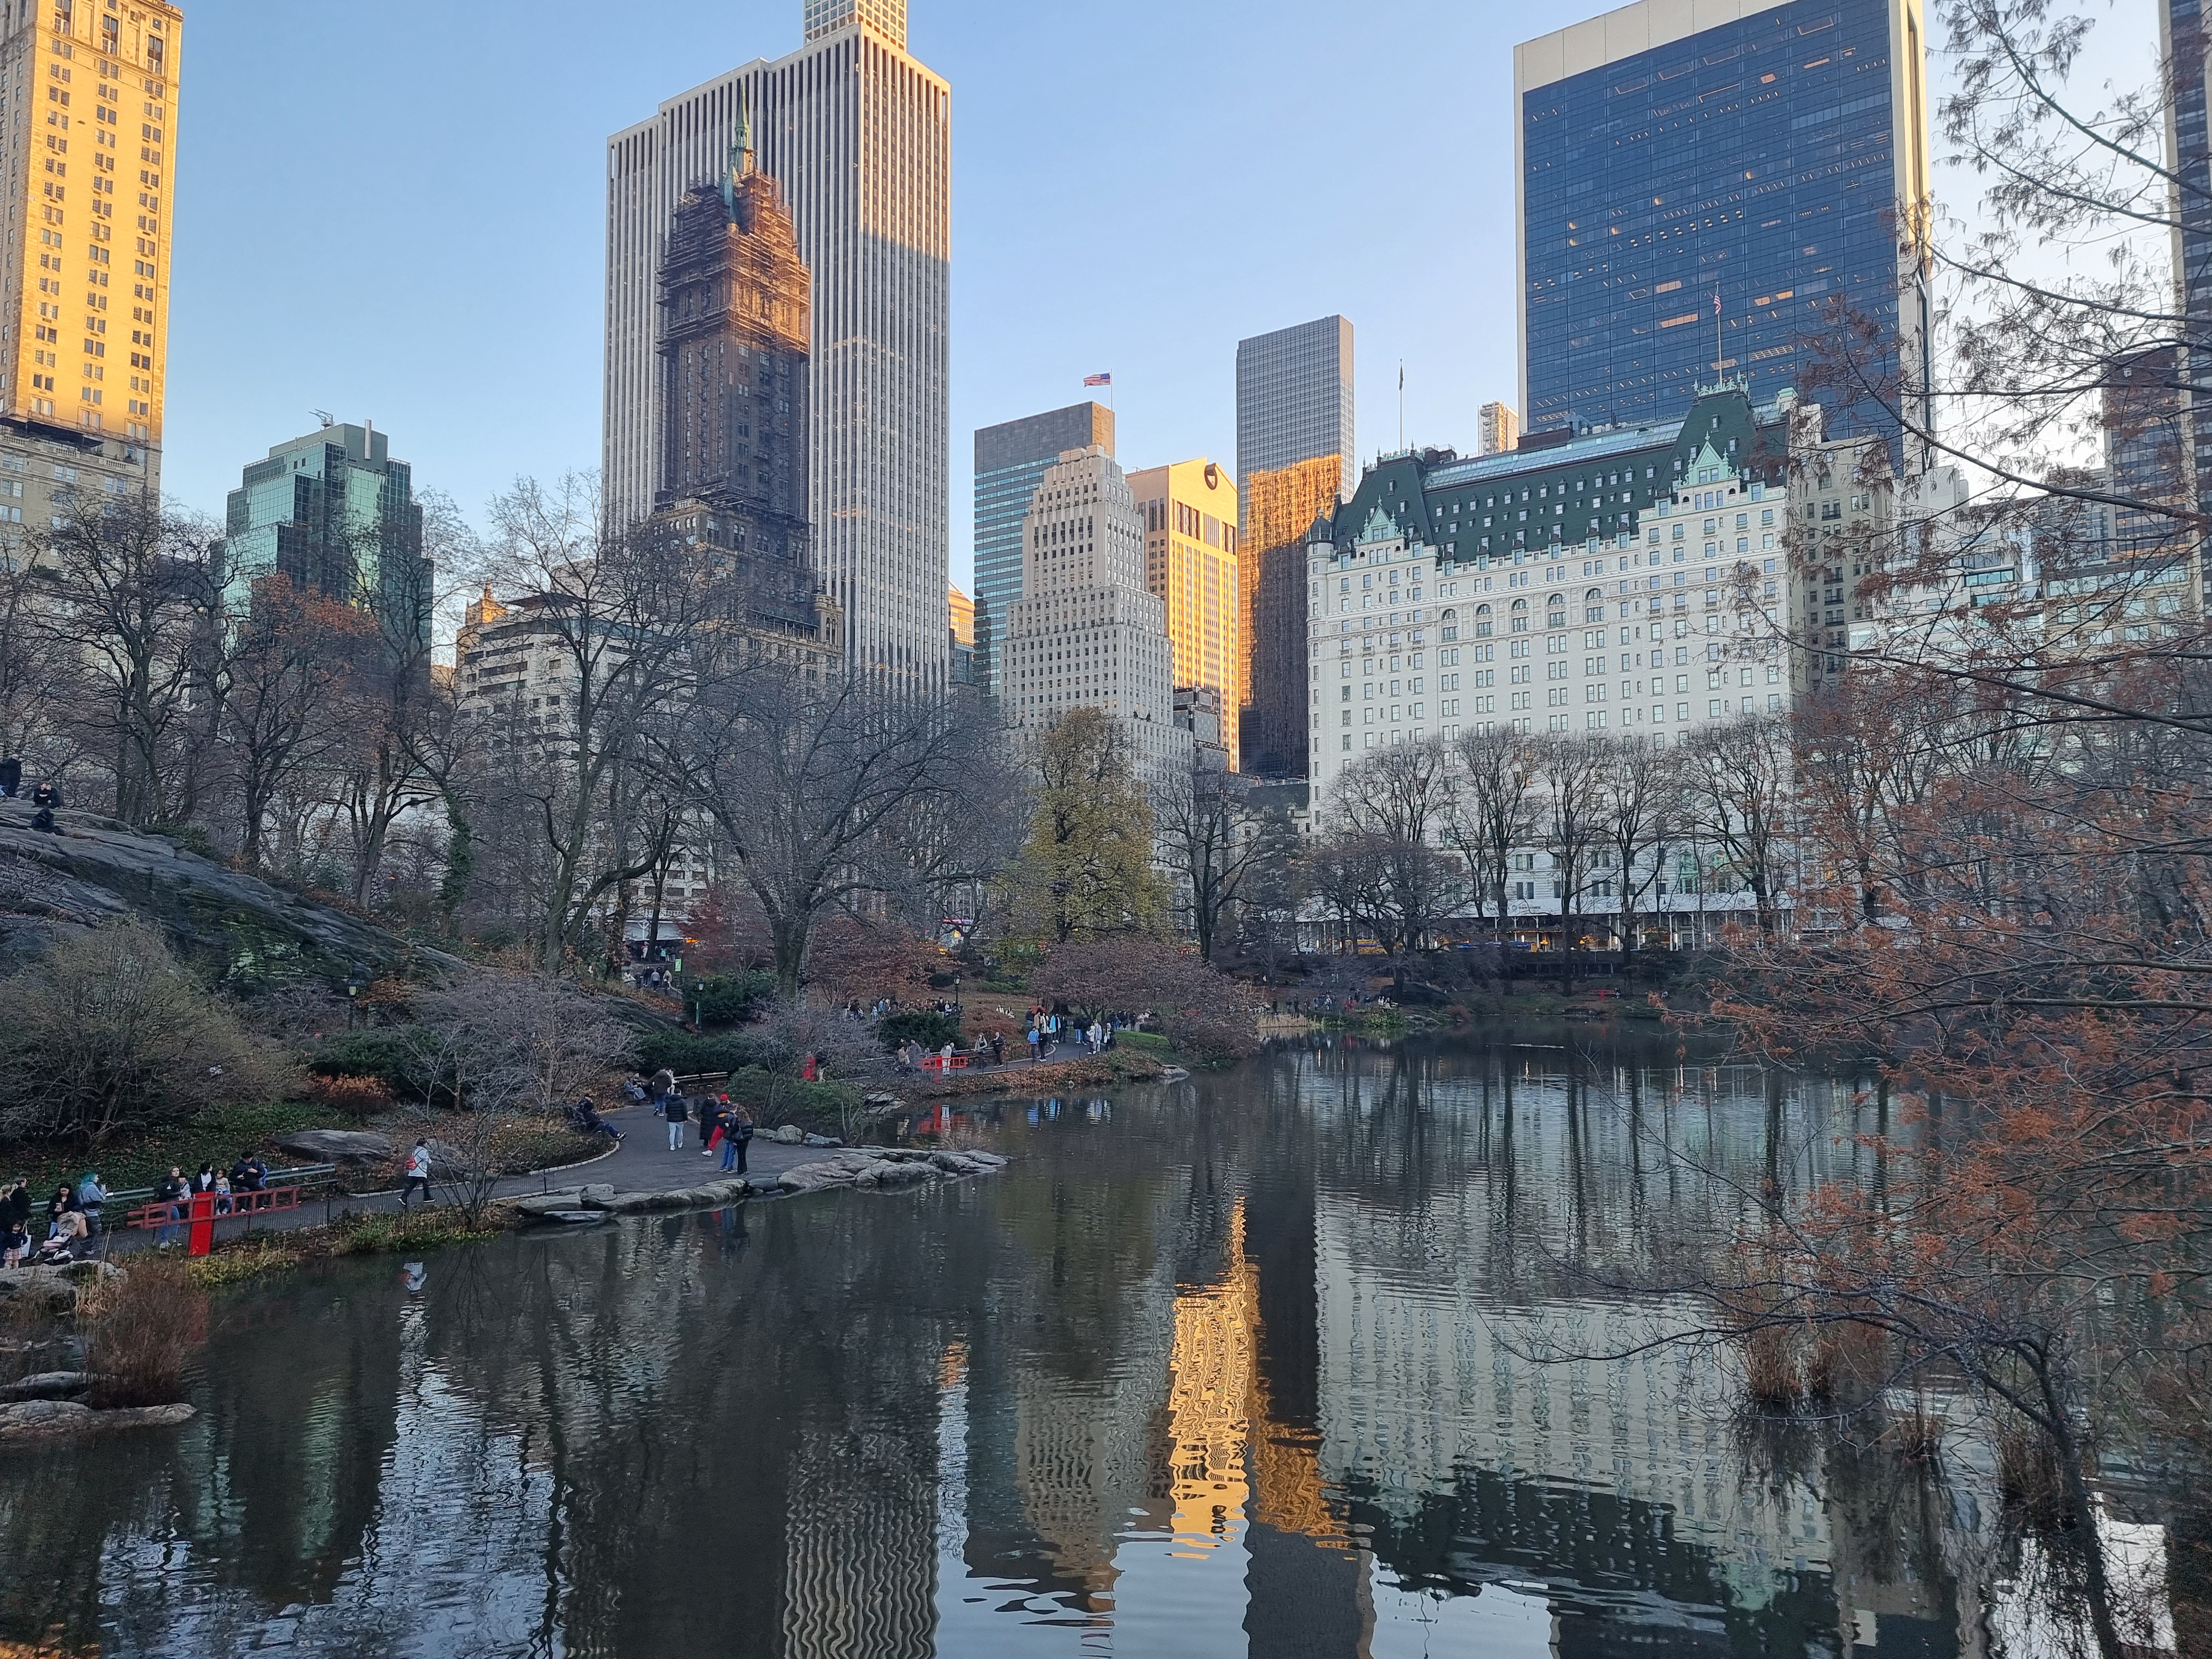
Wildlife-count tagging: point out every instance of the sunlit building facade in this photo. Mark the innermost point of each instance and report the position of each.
(1190, 513)
(87, 119)
(1282, 507)
(859, 135)
(1700, 187)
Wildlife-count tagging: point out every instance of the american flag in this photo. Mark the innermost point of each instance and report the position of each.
(1098, 379)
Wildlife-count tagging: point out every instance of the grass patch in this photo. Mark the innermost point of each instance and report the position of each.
(214, 1137)
(249, 1258)
(388, 1233)
(1151, 1040)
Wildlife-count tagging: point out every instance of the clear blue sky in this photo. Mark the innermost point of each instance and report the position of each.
(398, 213)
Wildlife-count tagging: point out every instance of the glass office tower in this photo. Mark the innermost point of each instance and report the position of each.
(1011, 460)
(1774, 161)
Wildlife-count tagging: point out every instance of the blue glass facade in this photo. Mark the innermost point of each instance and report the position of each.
(1758, 160)
(1011, 460)
(335, 514)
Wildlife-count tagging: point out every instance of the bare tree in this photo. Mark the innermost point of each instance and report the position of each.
(621, 618)
(1494, 814)
(133, 606)
(1571, 770)
(1739, 781)
(1209, 835)
(285, 669)
(494, 1048)
(1639, 820)
(1377, 863)
(827, 792)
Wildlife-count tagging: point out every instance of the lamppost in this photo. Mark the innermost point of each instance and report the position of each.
(356, 979)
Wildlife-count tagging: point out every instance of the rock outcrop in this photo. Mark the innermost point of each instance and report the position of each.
(44, 1420)
(52, 1290)
(874, 1169)
(250, 932)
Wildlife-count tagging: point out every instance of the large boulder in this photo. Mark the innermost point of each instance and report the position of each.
(37, 1420)
(51, 1290)
(786, 1134)
(339, 1146)
(250, 932)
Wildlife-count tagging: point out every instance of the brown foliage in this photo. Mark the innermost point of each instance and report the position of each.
(1199, 1007)
(140, 1334)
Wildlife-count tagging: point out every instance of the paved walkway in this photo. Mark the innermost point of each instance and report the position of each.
(643, 1164)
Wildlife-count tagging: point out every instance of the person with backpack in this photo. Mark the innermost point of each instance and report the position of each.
(736, 1137)
(418, 1173)
(677, 1112)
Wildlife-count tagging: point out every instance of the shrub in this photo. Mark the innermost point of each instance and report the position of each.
(931, 1030)
(108, 1032)
(380, 1055)
(353, 1097)
(730, 999)
(685, 1054)
(140, 1334)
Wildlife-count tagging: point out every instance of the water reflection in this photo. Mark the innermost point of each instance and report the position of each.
(1251, 1365)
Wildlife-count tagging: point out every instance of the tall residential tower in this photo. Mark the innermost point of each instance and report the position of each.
(1011, 460)
(859, 135)
(1700, 186)
(87, 117)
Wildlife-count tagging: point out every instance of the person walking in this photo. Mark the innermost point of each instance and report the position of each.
(418, 1173)
(736, 1139)
(677, 1112)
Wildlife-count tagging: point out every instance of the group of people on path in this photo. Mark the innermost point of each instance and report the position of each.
(69, 1220)
(1046, 1030)
(725, 1127)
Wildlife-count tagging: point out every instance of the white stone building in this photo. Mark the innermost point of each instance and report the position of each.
(1085, 632)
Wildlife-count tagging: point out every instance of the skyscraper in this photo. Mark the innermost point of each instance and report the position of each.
(1500, 426)
(1189, 510)
(1011, 460)
(734, 393)
(91, 87)
(334, 515)
(1294, 407)
(1272, 556)
(859, 135)
(1294, 399)
(1698, 187)
(1085, 633)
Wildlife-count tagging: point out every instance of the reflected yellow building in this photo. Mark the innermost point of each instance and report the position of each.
(1190, 515)
(85, 122)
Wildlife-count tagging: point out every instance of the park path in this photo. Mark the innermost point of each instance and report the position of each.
(641, 1163)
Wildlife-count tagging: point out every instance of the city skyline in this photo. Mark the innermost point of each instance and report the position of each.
(384, 342)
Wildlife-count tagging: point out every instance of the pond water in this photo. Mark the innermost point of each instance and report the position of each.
(1281, 1363)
